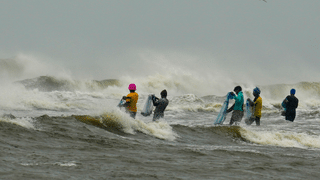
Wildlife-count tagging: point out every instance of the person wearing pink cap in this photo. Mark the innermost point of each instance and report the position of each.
(131, 101)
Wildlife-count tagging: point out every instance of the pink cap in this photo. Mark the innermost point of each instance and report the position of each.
(132, 87)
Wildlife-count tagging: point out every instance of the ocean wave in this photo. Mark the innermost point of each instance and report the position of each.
(117, 122)
(218, 132)
(42, 93)
(281, 138)
(280, 91)
(49, 83)
(176, 86)
(251, 135)
(25, 122)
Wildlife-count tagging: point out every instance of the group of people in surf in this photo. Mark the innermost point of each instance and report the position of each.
(290, 103)
(132, 99)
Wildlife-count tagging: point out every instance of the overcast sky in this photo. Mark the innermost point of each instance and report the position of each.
(277, 41)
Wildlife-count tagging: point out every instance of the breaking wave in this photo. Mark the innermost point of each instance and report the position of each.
(49, 83)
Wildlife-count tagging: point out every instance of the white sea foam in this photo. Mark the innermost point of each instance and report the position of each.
(63, 164)
(185, 87)
(281, 138)
(159, 129)
(66, 164)
(26, 122)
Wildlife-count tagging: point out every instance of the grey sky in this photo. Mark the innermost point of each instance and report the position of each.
(273, 42)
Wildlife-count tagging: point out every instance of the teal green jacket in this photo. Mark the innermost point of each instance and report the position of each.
(239, 101)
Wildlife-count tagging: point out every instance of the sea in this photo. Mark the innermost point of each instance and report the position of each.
(57, 127)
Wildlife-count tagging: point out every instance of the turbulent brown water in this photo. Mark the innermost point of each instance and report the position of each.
(53, 128)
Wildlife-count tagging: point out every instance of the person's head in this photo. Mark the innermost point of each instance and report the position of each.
(237, 89)
(256, 91)
(132, 87)
(163, 93)
(292, 91)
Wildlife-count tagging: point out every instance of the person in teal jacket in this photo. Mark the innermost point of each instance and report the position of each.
(237, 107)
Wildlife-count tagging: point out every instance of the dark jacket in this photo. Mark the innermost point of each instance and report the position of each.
(291, 104)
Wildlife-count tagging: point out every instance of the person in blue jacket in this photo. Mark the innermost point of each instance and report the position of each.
(237, 107)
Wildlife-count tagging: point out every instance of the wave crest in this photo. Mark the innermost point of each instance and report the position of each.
(49, 83)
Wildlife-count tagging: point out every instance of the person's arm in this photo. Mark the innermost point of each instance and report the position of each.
(231, 95)
(297, 103)
(230, 109)
(155, 101)
(128, 99)
(251, 103)
(284, 103)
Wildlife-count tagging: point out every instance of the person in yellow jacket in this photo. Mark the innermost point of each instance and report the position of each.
(256, 107)
(131, 101)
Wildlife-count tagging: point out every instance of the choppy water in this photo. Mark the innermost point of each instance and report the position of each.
(82, 147)
(65, 129)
